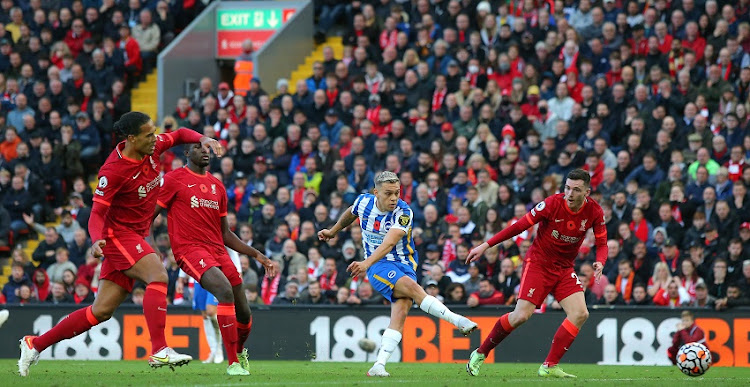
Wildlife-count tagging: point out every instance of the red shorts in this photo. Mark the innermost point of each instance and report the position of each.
(537, 282)
(121, 252)
(196, 260)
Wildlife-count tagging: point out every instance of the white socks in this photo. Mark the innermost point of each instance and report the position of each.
(433, 306)
(390, 341)
(210, 331)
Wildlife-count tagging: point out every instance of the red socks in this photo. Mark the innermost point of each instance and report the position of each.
(155, 311)
(228, 327)
(500, 331)
(243, 331)
(71, 326)
(561, 342)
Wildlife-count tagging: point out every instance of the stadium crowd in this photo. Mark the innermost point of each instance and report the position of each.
(481, 108)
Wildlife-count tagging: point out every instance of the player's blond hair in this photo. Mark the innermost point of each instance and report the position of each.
(386, 177)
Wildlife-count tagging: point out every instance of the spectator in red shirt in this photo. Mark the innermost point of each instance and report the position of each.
(76, 36)
(487, 295)
(687, 332)
(133, 62)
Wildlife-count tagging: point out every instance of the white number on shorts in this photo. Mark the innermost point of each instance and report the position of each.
(575, 276)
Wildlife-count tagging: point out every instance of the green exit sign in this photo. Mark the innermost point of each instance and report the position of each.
(256, 19)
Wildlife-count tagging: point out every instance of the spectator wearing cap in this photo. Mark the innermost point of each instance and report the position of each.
(432, 258)
(133, 63)
(702, 298)
(330, 128)
(225, 95)
(256, 180)
(83, 293)
(290, 295)
(744, 234)
(239, 192)
(88, 135)
(670, 255)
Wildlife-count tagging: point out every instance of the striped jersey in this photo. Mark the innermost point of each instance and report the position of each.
(375, 224)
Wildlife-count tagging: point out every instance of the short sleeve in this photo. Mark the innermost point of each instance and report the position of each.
(109, 184)
(168, 191)
(404, 218)
(355, 206)
(541, 211)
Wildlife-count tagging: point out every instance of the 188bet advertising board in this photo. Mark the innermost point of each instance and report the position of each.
(612, 337)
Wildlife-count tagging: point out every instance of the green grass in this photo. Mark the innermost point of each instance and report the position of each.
(291, 373)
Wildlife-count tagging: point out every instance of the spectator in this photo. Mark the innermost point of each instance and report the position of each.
(331, 280)
(290, 295)
(673, 296)
(45, 252)
(58, 294)
(83, 294)
(640, 296)
(611, 296)
(314, 295)
(733, 299)
(507, 280)
(455, 294)
(624, 283)
(290, 260)
(18, 202)
(702, 298)
(365, 296)
(148, 36)
(431, 288)
(62, 263)
(16, 279)
(133, 63)
(487, 295)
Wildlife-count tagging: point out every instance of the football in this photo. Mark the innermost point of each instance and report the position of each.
(367, 345)
(693, 359)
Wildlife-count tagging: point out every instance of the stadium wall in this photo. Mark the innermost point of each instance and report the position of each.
(624, 337)
(193, 54)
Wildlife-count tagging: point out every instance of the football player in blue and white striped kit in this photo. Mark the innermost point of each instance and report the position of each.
(391, 261)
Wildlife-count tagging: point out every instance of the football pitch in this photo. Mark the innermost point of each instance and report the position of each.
(300, 373)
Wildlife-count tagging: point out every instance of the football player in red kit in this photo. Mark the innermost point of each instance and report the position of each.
(198, 231)
(563, 221)
(687, 332)
(124, 201)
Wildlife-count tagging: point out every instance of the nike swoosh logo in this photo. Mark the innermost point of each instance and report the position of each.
(191, 185)
(162, 309)
(227, 326)
(136, 175)
(28, 342)
(558, 220)
(161, 359)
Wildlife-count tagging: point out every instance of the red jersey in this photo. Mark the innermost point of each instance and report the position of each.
(561, 231)
(196, 205)
(691, 334)
(129, 188)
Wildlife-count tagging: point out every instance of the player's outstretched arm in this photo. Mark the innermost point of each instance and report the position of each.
(393, 236)
(344, 221)
(189, 136)
(233, 242)
(509, 232)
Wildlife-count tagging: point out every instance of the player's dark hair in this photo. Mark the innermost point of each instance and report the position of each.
(580, 174)
(130, 124)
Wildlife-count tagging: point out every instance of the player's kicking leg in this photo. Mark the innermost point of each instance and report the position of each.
(503, 327)
(217, 284)
(407, 287)
(110, 296)
(577, 313)
(244, 324)
(391, 336)
(150, 270)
